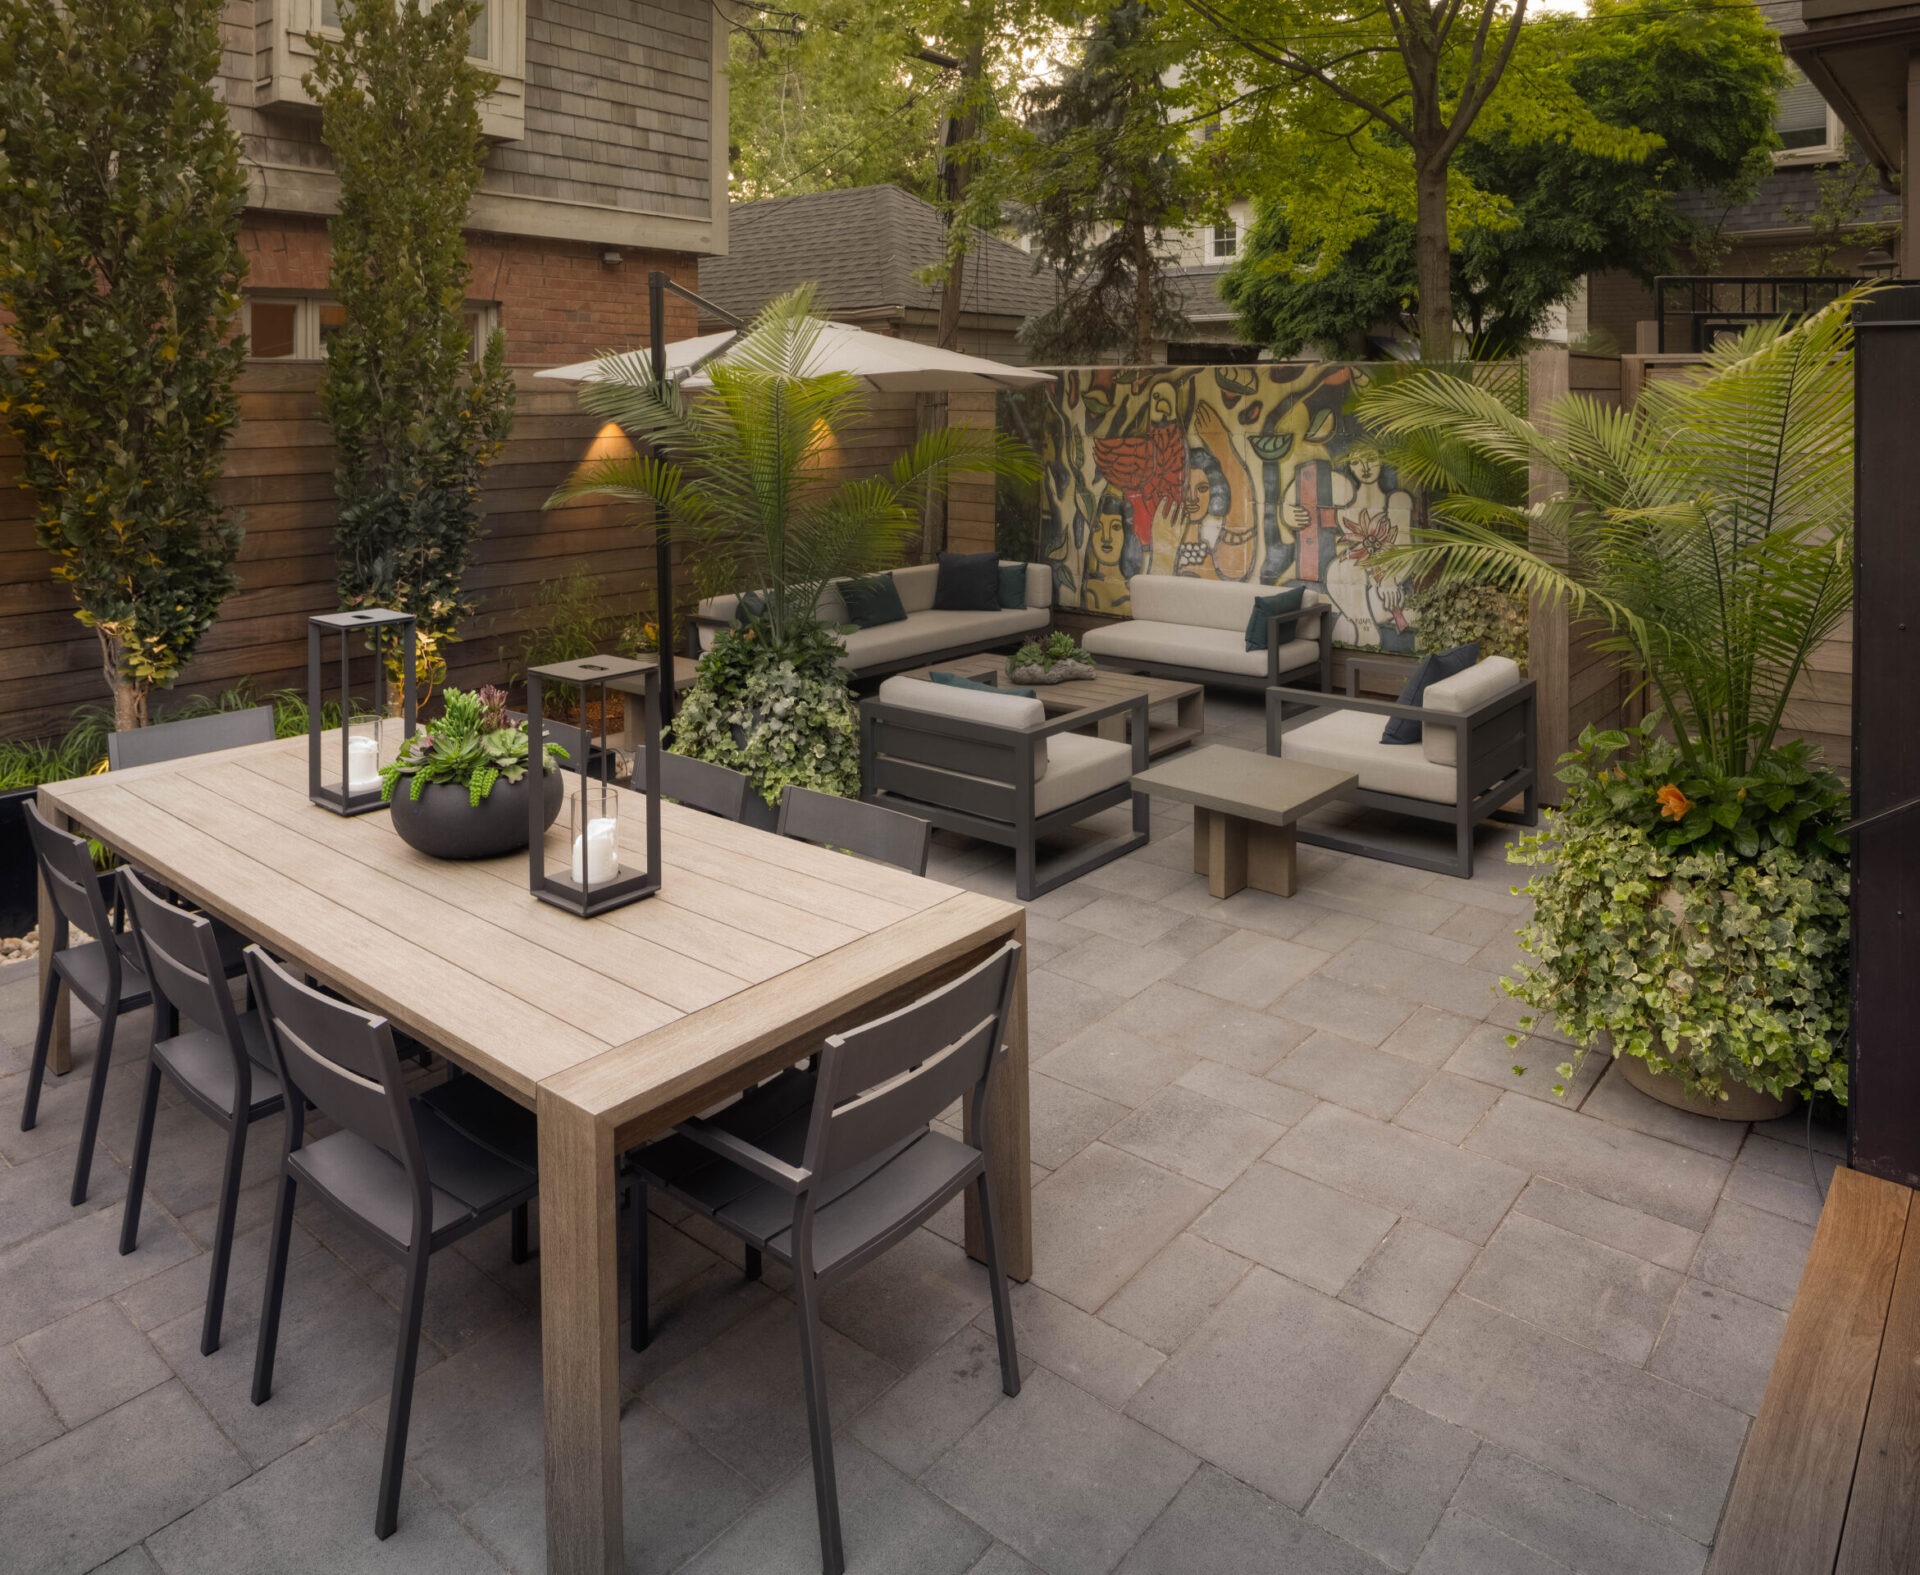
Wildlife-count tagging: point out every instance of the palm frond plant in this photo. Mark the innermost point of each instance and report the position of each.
(741, 475)
(1690, 895)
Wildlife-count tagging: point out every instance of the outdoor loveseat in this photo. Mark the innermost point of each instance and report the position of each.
(1195, 631)
(992, 766)
(1477, 754)
(924, 635)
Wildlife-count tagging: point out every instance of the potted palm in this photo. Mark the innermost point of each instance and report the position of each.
(459, 786)
(738, 475)
(1689, 898)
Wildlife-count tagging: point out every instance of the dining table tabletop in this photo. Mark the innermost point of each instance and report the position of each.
(611, 1029)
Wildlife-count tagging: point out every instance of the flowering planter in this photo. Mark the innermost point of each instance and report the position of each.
(443, 824)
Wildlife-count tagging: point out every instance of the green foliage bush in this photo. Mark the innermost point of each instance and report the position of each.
(780, 712)
(1058, 646)
(1696, 919)
(1452, 612)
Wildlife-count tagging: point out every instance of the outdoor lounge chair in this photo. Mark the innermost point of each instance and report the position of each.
(1477, 754)
(992, 766)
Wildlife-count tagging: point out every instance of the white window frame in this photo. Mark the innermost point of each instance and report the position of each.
(1825, 153)
(1214, 253)
(307, 344)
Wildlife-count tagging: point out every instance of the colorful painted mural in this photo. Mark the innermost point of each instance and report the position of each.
(1253, 473)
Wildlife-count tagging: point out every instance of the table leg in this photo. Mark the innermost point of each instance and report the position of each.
(1272, 859)
(1010, 1143)
(1192, 712)
(60, 1048)
(580, 1340)
(1226, 854)
(1200, 835)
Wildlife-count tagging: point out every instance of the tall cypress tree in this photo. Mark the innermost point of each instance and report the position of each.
(120, 201)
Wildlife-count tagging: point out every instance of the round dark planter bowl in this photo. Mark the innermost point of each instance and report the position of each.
(442, 824)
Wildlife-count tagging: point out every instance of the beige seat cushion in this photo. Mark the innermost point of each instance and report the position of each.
(1463, 692)
(923, 633)
(1192, 645)
(1016, 713)
(1079, 767)
(1350, 741)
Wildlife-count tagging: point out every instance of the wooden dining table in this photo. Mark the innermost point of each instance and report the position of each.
(611, 1029)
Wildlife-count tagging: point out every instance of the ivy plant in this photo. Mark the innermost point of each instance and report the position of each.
(472, 745)
(415, 419)
(1448, 613)
(121, 193)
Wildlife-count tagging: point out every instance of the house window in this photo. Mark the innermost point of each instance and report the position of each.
(1809, 129)
(297, 327)
(482, 46)
(1226, 239)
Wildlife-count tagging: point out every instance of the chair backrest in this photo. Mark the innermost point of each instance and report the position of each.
(873, 832)
(699, 784)
(340, 1059)
(198, 735)
(181, 957)
(884, 1081)
(66, 866)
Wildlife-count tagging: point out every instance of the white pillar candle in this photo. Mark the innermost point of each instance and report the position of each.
(363, 763)
(603, 853)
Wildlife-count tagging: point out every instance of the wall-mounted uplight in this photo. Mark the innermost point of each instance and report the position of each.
(611, 259)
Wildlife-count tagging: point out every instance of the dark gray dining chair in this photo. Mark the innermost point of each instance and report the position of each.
(215, 1054)
(700, 784)
(825, 1169)
(197, 735)
(395, 1171)
(829, 821)
(103, 973)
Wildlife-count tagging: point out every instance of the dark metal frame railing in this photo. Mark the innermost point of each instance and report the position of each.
(1707, 304)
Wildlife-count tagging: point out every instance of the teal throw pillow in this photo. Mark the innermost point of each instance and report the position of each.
(1013, 587)
(749, 608)
(1264, 607)
(872, 601)
(1403, 729)
(957, 681)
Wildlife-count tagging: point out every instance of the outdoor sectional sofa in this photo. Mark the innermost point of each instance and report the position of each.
(924, 635)
(1195, 631)
(1478, 752)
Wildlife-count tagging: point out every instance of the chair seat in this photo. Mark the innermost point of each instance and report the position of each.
(1350, 741)
(1079, 767)
(477, 1110)
(467, 1185)
(85, 969)
(202, 1062)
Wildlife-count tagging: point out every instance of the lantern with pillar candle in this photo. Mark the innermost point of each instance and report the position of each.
(343, 775)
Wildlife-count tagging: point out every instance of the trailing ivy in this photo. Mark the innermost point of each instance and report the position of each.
(120, 201)
(415, 420)
(1448, 613)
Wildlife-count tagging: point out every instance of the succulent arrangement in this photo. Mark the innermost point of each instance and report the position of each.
(472, 745)
(1056, 659)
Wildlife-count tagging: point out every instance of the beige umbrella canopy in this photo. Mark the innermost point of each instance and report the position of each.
(884, 364)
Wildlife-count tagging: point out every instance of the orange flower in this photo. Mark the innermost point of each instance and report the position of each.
(1673, 803)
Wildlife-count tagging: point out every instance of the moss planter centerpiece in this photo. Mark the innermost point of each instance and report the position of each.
(1054, 660)
(466, 781)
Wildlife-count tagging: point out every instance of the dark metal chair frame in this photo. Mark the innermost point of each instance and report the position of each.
(869, 830)
(345, 1061)
(196, 735)
(700, 784)
(825, 1170)
(103, 974)
(216, 1055)
(977, 779)
(1496, 761)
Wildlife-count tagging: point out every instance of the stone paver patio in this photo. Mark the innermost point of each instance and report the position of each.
(1321, 1287)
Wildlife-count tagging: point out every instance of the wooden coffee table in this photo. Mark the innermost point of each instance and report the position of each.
(1244, 809)
(1090, 694)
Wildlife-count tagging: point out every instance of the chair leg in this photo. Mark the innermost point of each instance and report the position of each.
(400, 1405)
(96, 1097)
(1002, 1294)
(833, 1557)
(137, 1173)
(520, 1252)
(754, 1265)
(223, 1236)
(639, 1331)
(1463, 848)
(42, 1040)
(276, 1289)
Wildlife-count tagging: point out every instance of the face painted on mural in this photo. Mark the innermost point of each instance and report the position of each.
(1109, 536)
(1198, 498)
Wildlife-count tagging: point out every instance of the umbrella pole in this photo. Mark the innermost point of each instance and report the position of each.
(662, 543)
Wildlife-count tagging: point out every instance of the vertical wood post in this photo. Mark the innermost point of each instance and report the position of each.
(1549, 654)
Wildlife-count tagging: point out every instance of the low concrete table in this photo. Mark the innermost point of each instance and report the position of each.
(1244, 809)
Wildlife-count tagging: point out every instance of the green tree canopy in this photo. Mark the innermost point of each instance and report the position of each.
(120, 201)
(1688, 86)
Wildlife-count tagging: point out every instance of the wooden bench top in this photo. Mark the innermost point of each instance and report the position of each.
(1830, 1481)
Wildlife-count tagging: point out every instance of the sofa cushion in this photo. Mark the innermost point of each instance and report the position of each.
(1040, 585)
(916, 583)
(1079, 767)
(1404, 729)
(1460, 694)
(925, 634)
(1266, 608)
(871, 601)
(1350, 741)
(748, 609)
(1187, 645)
(967, 582)
(969, 705)
(1013, 586)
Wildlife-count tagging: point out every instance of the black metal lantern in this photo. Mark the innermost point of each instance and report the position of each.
(589, 879)
(349, 783)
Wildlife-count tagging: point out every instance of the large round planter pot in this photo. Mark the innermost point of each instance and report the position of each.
(442, 824)
(1741, 1104)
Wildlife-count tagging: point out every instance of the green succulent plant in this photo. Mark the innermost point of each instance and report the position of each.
(472, 745)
